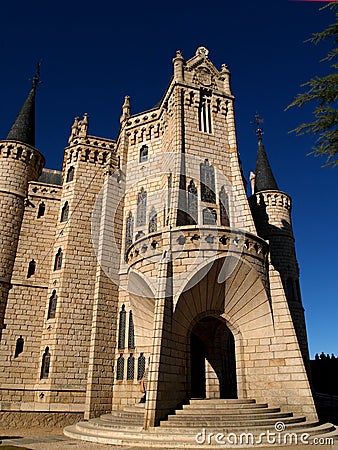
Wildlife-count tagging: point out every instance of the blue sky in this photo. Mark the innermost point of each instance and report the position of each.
(94, 53)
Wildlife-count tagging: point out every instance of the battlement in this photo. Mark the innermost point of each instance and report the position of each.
(90, 149)
(22, 152)
(271, 198)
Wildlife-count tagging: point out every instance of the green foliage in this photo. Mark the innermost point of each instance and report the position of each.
(323, 91)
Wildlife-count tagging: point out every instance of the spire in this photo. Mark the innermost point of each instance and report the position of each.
(23, 129)
(264, 180)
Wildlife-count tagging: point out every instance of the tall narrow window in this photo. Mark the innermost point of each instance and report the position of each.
(144, 153)
(205, 112)
(120, 367)
(141, 366)
(224, 207)
(19, 346)
(53, 299)
(209, 216)
(207, 174)
(131, 332)
(31, 268)
(65, 212)
(122, 327)
(289, 289)
(192, 203)
(58, 260)
(70, 174)
(152, 220)
(45, 366)
(131, 367)
(41, 210)
(129, 230)
(141, 208)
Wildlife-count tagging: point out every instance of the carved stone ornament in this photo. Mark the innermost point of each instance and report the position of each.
(204, 76)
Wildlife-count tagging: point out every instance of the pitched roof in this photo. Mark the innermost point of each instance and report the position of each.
(265, 179)
(23, 128)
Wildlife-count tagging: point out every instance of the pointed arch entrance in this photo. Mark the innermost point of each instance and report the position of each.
(212, 360)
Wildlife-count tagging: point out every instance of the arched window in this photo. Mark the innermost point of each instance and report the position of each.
(122, 327)
(53, 299)
(192, 203)
(141, 208)
(31, 268)
(152, 220)
(41, 210)
(209, 216)
(131, 367)
(129, 230)
(65, 212)
(45, 364)
(144, 153)
(141, 366)
(70, 174)
(131, 332)
(224, 207)
(58, 260)
(19, 346)
(207, 174)
(120, 367)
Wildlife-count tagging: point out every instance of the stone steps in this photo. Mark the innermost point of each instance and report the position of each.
(199, 416)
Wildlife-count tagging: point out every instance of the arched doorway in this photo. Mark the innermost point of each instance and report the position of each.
(212, 360)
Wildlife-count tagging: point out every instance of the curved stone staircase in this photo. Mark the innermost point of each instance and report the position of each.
(198, 423)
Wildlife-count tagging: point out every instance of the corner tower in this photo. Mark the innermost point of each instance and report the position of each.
(271, 209)
(20, 163)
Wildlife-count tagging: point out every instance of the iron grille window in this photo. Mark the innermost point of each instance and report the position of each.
(120, 367)
(131, 331)
(141, 366)
(131, 367)
(122, 327)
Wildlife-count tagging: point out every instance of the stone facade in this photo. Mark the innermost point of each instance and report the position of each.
(147, 255)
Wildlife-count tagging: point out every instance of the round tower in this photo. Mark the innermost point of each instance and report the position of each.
(271, 210)
(20, 163)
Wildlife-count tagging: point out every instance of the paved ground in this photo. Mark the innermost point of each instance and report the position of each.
(53, 439)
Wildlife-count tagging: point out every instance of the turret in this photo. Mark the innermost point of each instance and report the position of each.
(271, 209)
(20, 163)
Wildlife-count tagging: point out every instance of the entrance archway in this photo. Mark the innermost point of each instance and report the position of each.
(212, 360)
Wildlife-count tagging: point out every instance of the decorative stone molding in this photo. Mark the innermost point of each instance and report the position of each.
(190, 238)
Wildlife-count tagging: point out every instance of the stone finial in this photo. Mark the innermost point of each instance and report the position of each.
(202, 51)
(83, 126)
(125, 109)
(178, 62)
(252, 178)
(74, 131)
(224, 69)
(225, 76)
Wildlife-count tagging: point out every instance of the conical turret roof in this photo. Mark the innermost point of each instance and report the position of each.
(23, 128)
(265, 179)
